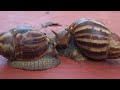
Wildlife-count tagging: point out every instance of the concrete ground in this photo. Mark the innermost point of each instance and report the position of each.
(68, 69)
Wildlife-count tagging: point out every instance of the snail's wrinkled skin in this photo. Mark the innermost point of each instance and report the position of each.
(28, 49)
(68, 50)
(88, 38)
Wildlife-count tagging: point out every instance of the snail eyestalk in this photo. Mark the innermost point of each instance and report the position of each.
(62, 39)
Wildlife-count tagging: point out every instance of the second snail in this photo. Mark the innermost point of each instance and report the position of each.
(28, 49)
(86, 39)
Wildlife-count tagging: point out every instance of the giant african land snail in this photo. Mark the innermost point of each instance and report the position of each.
(29, 49)
(88, 38)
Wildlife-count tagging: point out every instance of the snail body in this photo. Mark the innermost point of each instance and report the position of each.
(28, 49)
(91, 38)
(69, 50)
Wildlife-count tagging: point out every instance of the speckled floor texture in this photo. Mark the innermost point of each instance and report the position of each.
(68, 69)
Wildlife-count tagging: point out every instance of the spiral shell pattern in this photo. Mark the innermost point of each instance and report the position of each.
(29, 45)
(92, 37)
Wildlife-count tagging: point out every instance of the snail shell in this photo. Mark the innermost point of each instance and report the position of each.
(28, 49)
(93, 39)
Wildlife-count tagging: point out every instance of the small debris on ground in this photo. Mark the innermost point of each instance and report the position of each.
(50, 24)
(47, 12)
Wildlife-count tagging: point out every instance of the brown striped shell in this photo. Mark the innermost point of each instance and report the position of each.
(93, 38)
(23, 43)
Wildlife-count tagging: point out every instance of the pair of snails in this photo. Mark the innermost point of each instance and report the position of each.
(84, 39)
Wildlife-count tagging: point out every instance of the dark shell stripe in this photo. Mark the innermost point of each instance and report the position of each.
(92, 24)
(93, 45)
(91, 40)
(91, 35)
(88, 27)
(92, 31)
(33, 48)
(34, 43)
(37, 50)
(35, 38)
(27, 55)
(93, 49)
(113, 55)
(95, 37)
(31, 54)
(85, 21)
(93, 54)
(30, 36)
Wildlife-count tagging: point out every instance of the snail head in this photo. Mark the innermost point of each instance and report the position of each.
(62, 38)
(52, 47)
(114, 47)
